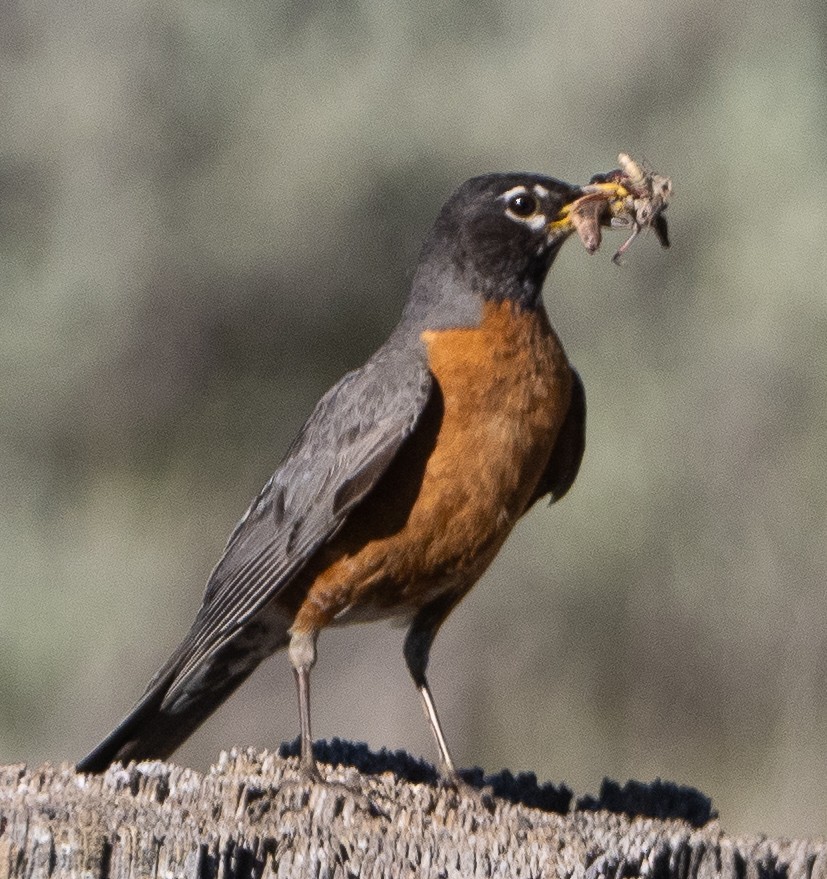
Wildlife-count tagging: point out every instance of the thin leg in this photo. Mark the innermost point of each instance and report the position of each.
(625, 246)
(417, 651)
(445, 761)
(302, 652)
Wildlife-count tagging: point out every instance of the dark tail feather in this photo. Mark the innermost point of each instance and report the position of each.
(153, 729)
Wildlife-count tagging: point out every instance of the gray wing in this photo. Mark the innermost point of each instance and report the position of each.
(340, 453)
(564, 463)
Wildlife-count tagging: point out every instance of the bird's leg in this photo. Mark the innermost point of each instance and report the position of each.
(417, 651)
(445, 761)
(302, 653)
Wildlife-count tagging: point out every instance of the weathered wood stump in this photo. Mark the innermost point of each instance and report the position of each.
(253, 816)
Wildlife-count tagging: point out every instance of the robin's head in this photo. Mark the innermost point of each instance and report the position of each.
(494, 239)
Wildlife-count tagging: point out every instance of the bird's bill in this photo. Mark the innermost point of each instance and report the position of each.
(596, 205)
(632, 197)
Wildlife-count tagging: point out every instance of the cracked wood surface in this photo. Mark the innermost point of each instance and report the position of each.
(252, 816)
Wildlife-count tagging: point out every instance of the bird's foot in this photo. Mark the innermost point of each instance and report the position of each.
(483, 796)
(310, 777)
(309, 772)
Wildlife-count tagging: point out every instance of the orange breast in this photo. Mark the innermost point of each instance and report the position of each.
(443, 509)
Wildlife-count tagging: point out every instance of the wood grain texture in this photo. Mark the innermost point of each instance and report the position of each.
(251, 816)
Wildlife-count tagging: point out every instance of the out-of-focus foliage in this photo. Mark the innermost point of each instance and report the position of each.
(209, 211)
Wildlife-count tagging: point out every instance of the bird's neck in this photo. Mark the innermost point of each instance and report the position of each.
(446, 296)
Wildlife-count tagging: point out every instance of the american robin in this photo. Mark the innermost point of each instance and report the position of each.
(405, 480)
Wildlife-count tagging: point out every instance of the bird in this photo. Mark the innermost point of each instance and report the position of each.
(405, 480)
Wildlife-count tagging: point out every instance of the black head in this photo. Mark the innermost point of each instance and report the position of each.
(493, 240)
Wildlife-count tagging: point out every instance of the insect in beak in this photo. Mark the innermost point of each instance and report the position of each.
(630, 197)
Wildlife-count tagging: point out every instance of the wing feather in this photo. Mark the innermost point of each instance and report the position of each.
(342, 450)
(567, 454)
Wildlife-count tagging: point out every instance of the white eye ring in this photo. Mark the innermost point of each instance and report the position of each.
(522, 205)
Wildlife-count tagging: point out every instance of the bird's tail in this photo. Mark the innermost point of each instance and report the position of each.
(171, 709)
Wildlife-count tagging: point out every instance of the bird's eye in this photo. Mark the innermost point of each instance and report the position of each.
(522, 205)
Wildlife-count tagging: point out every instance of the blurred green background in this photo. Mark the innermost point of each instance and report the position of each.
(209, 211)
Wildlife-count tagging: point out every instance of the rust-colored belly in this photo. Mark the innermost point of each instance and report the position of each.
(438, 516)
